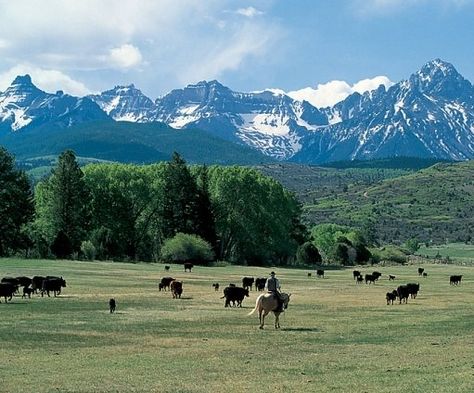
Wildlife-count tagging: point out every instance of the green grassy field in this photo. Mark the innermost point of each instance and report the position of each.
(457, 252)
(335, 337)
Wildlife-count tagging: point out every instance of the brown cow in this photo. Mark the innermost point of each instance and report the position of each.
(176, 289)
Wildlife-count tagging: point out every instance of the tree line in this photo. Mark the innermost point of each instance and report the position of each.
(167, 211)
(130, 212)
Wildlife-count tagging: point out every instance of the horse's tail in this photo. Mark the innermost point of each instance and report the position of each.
(257, 303)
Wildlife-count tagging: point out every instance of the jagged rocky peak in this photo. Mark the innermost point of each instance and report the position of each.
(438, 68)
(24, 105)
(200, 92)
(22, 92)
(439, 77)
(22, 80)
(22, 85)
(125, 103)
(122, 90)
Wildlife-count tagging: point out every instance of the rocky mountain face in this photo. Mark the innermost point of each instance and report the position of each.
(431, 114)
(126, 103)
(269, 121)
(24, 106)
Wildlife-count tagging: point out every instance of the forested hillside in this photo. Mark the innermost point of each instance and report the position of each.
(130, 143)
(432, 205)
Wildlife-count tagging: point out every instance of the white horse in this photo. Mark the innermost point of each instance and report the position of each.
(267, 302)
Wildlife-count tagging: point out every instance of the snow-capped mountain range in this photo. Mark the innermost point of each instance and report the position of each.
(431, 114)
(268, 121)
(23, 105)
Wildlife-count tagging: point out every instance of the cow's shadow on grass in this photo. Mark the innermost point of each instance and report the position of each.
(186, 298)
(301, 329)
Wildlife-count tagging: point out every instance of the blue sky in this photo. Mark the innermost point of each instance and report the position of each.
(91, 45)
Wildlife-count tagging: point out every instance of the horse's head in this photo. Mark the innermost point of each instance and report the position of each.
(286, 299)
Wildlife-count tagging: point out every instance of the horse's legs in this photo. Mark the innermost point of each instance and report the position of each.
(277, 320)
(265, 313)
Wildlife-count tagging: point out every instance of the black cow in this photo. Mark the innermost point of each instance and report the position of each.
(376, 275)
(176, 289)
(455, 280)
(216, 286)
(356, 274)
(320, 273)
(391, 297)
(11, 280)
(112, 305)
(188, 266)
(391, 277)
(420, 271)
(359, 279)
(167, 268)
(27, 291)
(425, 274)
(403, 293)
(7, 290)
(37, 283)
(247, 282)
(260, 283)
(309, 274)
(413, 289)
(234, 295)
(54, 285)
(369, 278)
(165, 283)
(24, 281)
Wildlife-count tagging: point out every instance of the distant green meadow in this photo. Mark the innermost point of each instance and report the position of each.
(456, 252)
(336, 336)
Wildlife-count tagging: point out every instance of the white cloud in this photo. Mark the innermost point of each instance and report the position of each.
(47, 80)
(371, 84)
(330, 93)
(252, 41)
(125, 56)
(249, 12)
(105, 42)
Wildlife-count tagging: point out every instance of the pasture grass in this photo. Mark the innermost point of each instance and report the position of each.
(458, 252)
(336, 336)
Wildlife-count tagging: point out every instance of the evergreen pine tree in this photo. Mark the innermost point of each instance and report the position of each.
(64, 207)
(16, 204)
(179, 198)
(205, 225)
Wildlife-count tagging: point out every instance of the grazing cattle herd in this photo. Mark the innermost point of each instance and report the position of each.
(234, 296)
(38, 284)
